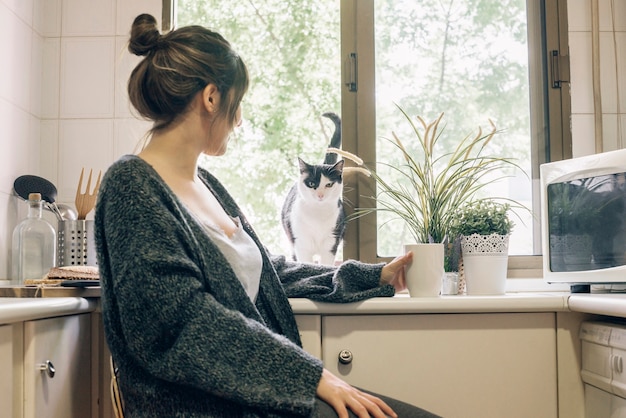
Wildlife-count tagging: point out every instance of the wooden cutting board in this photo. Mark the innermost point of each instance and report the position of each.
(49, 292)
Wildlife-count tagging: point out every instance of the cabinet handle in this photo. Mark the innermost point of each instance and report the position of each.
(345, 357)
(48, 367)
(618, 366)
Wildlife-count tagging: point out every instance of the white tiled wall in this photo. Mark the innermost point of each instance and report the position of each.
(612, 52)
(63, 102)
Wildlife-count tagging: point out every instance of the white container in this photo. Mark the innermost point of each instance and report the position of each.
(485, 262)
(425, 273)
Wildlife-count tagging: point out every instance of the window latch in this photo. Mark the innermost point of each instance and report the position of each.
(559, 69)
(351, 71)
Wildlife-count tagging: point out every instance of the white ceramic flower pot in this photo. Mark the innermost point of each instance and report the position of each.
(485, 262)
(424, 275)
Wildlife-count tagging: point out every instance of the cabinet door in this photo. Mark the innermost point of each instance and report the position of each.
(309, 327)
(455, 365)
(6, 366)
(57, 367)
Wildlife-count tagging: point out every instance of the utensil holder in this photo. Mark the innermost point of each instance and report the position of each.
(76, 245)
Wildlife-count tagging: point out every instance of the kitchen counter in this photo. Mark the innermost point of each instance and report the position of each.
(403, 304)
(611, 304)
(26, 309)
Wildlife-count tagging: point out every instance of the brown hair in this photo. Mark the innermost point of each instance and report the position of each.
(178, 65)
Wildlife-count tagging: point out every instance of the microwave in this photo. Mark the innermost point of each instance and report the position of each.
(583, 220)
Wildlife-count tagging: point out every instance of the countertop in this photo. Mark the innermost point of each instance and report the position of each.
(403, 304)
(611, 304)
(28, 308)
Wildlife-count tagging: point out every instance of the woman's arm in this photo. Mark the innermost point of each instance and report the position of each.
(352, 281)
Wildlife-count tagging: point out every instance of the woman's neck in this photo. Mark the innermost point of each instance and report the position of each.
(173, 152)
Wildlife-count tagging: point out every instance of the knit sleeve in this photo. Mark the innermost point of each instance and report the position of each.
(352, 281)
(168, 324)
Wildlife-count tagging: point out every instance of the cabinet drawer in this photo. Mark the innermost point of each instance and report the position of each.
(57, 367)
(456, 365)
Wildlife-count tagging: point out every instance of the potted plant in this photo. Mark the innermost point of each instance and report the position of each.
(428, 189)
(483, 227)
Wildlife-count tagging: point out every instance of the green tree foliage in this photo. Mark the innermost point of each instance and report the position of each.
(291, 48)
(466, 58)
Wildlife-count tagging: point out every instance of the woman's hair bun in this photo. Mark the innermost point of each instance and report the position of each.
(144, 35)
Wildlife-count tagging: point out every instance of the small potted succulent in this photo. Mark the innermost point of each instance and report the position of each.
(483, 227)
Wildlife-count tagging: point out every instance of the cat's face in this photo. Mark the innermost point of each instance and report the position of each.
(321, 182)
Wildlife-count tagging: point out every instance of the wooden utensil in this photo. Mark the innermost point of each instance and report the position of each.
(86, 201)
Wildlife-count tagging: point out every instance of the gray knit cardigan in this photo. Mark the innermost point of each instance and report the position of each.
(186, 337)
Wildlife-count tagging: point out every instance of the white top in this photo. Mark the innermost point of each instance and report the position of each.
(242, 254)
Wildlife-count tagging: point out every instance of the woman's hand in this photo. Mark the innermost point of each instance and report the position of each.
(341, 396)
(394, 272)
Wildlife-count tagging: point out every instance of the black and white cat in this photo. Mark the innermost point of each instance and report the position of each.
(313, 216)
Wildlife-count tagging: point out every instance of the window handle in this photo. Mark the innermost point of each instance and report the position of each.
(559, 69)
(351, 71)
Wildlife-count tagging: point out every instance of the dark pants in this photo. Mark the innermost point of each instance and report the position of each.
(402, 409)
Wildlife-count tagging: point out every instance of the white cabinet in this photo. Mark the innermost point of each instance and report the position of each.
(7, 374)
(310, 328)
(455, 365)
(57, 367)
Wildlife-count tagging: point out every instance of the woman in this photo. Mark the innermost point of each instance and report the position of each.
(195, 310)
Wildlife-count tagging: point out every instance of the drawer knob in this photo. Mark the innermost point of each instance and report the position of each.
(48, 367)
(345, 357)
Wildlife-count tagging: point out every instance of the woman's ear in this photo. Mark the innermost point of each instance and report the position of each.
(211, 98)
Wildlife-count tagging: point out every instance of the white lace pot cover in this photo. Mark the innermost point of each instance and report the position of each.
(485, 262)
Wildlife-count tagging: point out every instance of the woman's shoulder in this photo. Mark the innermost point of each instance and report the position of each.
(127, 168)
(128, 173)
(125, 163)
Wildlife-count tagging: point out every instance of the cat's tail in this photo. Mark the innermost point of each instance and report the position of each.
(335, 141)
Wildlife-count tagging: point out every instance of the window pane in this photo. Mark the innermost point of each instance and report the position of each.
(468, 59)
(291, 48)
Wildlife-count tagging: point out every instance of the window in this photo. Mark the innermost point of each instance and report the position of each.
(303, 56)
(436, 30)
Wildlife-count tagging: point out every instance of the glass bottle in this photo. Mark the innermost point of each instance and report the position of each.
(34, 244)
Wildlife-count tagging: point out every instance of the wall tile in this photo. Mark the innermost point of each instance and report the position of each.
(128, 10)
(620, 38)
(583, 135)
(51, 62)
(125, 62)
(87, 77)
(49, 150)
(23, 9)
(621, 129)
(608, 73)
(47, 17)
(36, 74)
(610, 139)
(579, 15)
(88, 18)
(581, 72)
(19, 147)
(83, 143)
(612, 13)
(15, 79)
(129, 135)
(8, 220)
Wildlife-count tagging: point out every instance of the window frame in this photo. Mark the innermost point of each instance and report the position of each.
(550, 115)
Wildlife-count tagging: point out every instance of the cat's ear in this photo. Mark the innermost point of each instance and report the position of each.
(338, 166)
(303, 166)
